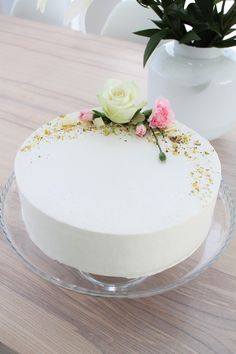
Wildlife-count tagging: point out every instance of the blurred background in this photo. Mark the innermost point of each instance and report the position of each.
(115, 18)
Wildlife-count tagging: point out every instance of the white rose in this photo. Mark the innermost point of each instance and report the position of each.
(119, 101)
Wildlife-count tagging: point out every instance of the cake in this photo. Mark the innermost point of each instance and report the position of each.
(97, 198)
(105, 204)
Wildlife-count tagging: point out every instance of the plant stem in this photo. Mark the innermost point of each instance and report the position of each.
(162, 132)
(156, 139)
(222, 16)
(162, 155)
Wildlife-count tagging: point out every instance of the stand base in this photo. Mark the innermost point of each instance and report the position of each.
(112, 284)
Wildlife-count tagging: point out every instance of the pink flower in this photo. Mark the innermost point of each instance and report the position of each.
(162, 116)
(86, 116)
(141, 130)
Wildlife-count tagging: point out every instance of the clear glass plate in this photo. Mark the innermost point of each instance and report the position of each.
(61, 275)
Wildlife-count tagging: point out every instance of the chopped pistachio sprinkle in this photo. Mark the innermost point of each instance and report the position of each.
(173, 140)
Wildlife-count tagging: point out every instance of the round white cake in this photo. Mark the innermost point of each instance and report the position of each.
(101, 201)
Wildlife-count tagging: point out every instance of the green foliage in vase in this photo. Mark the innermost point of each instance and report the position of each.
(199, 23)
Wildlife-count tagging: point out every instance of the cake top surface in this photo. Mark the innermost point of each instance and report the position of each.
(111, 181)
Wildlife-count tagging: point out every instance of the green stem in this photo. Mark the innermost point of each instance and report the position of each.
(222, 16)
(162, 132)
(162, 155)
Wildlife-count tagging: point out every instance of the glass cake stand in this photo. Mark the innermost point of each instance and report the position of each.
(13, 228)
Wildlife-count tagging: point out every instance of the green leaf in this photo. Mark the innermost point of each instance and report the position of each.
(178, 13)
(227, 43)
(181, 2)
(208, 38)
(210, 24)
(166, 3)
(229, 19)
(155, 5)
(147, 113)
(157, 9)
(216, 28)
(153, 43)
(175, 16)
(231, 30)
(159, 23)
(201, 27)
(146, 3)
(189, 37)
(146, 33)
(98, 114)
(139, 118)
(206, 8)
(137, 113)
(195, 13)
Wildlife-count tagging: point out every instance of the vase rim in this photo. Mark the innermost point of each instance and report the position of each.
(196, 52)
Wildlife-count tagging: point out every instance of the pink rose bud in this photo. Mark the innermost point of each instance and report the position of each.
(162, 115)
(141, 130)
(86, 116)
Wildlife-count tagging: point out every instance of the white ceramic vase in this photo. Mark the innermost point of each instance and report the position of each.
(200, 84)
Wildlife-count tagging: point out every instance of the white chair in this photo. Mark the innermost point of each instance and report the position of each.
(97, 14)
(127, 17)
(5, 6)
(54, 12)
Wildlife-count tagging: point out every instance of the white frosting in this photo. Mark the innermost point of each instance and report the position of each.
(107, 205)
